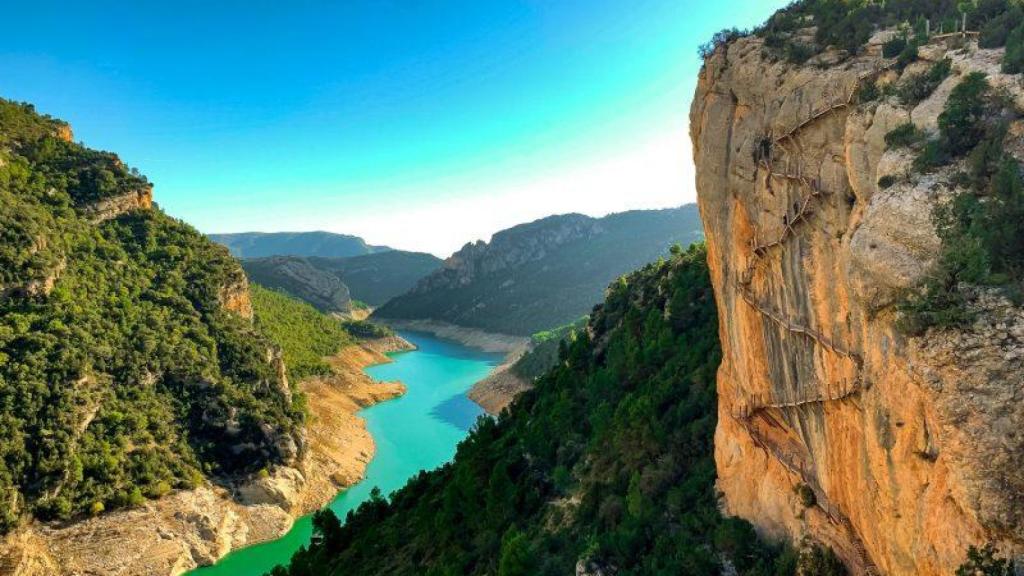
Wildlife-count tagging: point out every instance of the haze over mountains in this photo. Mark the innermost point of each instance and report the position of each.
(325, 244)
(528, 278)
(545, 273)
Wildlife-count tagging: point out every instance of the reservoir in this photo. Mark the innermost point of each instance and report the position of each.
(417, 431)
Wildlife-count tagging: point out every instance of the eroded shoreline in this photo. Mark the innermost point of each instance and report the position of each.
(193, 528)
(501, 386)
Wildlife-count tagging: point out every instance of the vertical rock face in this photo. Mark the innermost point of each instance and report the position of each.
(898, 452)
(110, 208)
(235, 296)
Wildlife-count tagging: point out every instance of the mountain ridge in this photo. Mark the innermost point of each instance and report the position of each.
(313, 243)
(544, 273)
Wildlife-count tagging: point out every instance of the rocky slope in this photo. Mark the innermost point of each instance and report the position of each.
(376, 278)
(542, 274)
(897, 451)
(296, 277)
(190, 528)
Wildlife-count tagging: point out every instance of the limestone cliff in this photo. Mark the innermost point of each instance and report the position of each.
(897, 451)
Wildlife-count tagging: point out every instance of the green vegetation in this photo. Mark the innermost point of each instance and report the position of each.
(806, 28)
(608, 459)
(985, 562)
(980, 227)
(545, 349)
(916, 87)
(720, 38)
(365, 330)
(304, 335)
(894, 47)
(121, 374)
(543, 274)
(821, 561)
(904, 136)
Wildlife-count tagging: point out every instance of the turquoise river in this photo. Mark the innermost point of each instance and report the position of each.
(418, 431)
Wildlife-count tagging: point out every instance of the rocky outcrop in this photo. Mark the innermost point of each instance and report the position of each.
(65, 133)
(114, 206)
(234, 296)
(898, 452)
(297, 277)
(508, 249)
(192, 528)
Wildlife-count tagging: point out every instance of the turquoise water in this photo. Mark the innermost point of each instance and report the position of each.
(418, 431)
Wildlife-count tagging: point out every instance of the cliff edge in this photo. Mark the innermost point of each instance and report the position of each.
(898, 451)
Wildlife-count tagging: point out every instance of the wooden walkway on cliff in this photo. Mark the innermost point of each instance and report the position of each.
(794, 464)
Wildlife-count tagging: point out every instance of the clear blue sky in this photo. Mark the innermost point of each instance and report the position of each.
(421, 124)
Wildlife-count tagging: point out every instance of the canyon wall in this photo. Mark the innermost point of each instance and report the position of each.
(898, 452)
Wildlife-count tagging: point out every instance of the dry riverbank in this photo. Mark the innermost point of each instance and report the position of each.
(496, 391)
(186, 529)
(486, 341)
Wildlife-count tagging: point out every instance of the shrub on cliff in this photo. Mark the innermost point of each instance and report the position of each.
(962, 122)
(1013, 59)
(904, 136)
(1002, 19)
(821, 561)
(980, 227)
(915, 88)
(718, 40)
(985, 562)
(894, 46)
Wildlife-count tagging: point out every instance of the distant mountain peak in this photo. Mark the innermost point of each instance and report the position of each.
(316, 243)
(543, 273)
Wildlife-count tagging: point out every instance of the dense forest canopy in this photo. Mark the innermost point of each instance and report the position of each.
(304, 335)
(607, 461)
(122, 375)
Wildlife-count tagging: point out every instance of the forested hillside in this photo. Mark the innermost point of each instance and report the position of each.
(543, 274)
(304, 335)
(128, 363)
(605, 466)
